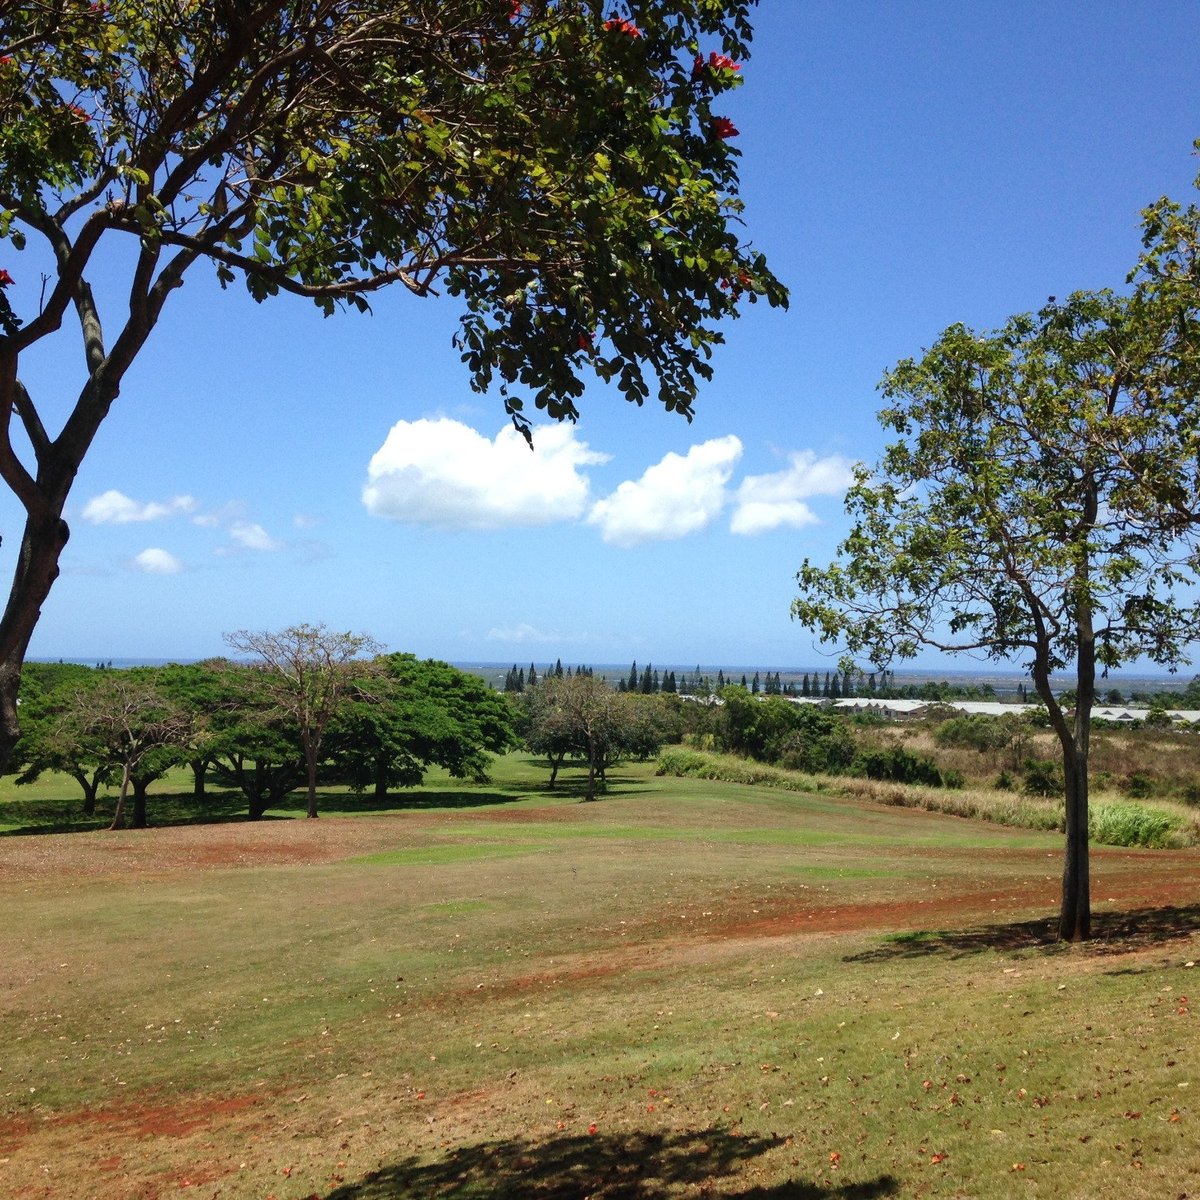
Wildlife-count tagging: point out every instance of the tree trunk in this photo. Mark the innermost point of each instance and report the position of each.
(199, 775)
(381, 778)
(591, 755)
(310, 761)
(139, 802)
(1075, 918)
(118, 821)
(36, 570)
(91, 786)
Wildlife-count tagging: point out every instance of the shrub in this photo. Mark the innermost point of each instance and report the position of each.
(976, 733)
(1130, 825)
(901, 766)
(1043, 778)
(1138, 786)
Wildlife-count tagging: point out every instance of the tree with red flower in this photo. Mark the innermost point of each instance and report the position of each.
(623, 25)
(723, 127)
(448, 175)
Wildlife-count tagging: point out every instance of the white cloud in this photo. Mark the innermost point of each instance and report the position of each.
(677, 496)
(250, 536)
(442, 473)
(525, 634)
(155, 561)
(305, 521)
(115, 508)
(766, 502)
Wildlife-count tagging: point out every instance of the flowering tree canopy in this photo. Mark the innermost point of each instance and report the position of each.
(557, 165)
(1042, 502)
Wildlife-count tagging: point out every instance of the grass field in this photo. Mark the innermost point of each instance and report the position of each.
(688, 988)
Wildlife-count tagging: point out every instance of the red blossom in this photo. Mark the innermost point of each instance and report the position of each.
(623, 25)
(716, 62)
(78, 112)
(5, 60)
(514, 10)
(723, 127)
(5, 278)
(585, 341)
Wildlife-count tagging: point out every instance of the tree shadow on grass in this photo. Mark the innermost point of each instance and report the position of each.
(635, 1166)
(1112, 933)
(341, 803)
(163, 810)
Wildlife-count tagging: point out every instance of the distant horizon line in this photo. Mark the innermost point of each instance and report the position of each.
(922, 673)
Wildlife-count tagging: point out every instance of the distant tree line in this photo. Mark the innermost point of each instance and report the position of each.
(305, 705)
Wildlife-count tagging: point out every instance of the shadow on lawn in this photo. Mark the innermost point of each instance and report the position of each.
(1112, 933)
(636, 1166)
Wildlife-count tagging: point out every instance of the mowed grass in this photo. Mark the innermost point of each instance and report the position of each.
(687, 988)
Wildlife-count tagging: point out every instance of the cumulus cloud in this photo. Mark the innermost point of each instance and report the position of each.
(766, 502)
(443, 474)
(115, 508)
(156, 561)
(680, 494)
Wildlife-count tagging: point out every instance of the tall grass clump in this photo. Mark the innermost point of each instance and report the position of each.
(1116, 824)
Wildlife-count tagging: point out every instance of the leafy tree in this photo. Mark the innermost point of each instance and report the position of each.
(568, 177)
(254, 746)
(306, 672)
(129, 722)
(51, 740)
(582, 717)
(202, 690)
(417, 714)
(1041, 502)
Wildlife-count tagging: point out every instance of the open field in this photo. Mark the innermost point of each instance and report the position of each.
(686, 989)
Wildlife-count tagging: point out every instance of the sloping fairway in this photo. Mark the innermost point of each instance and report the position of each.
(685, 989)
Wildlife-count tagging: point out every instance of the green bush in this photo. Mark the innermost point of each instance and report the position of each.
(1043, 778)
(901, 766)
(1138, 786)
(1130, 825)
(974, 733)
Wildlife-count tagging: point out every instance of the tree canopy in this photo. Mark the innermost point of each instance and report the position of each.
(304, 673)
(1040, 503)
(562, 169)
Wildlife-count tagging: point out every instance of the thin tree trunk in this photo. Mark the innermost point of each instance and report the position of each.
(310, 760)
(118, 821)
(1075, 918)
(199, 775)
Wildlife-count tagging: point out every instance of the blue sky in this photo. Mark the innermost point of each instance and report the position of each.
(904, 167)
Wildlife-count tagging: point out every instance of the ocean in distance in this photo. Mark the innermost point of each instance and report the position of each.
(1003, 682)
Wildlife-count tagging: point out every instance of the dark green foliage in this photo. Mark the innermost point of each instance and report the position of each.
(898, 765)
(1043, 778)
(413, 714)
